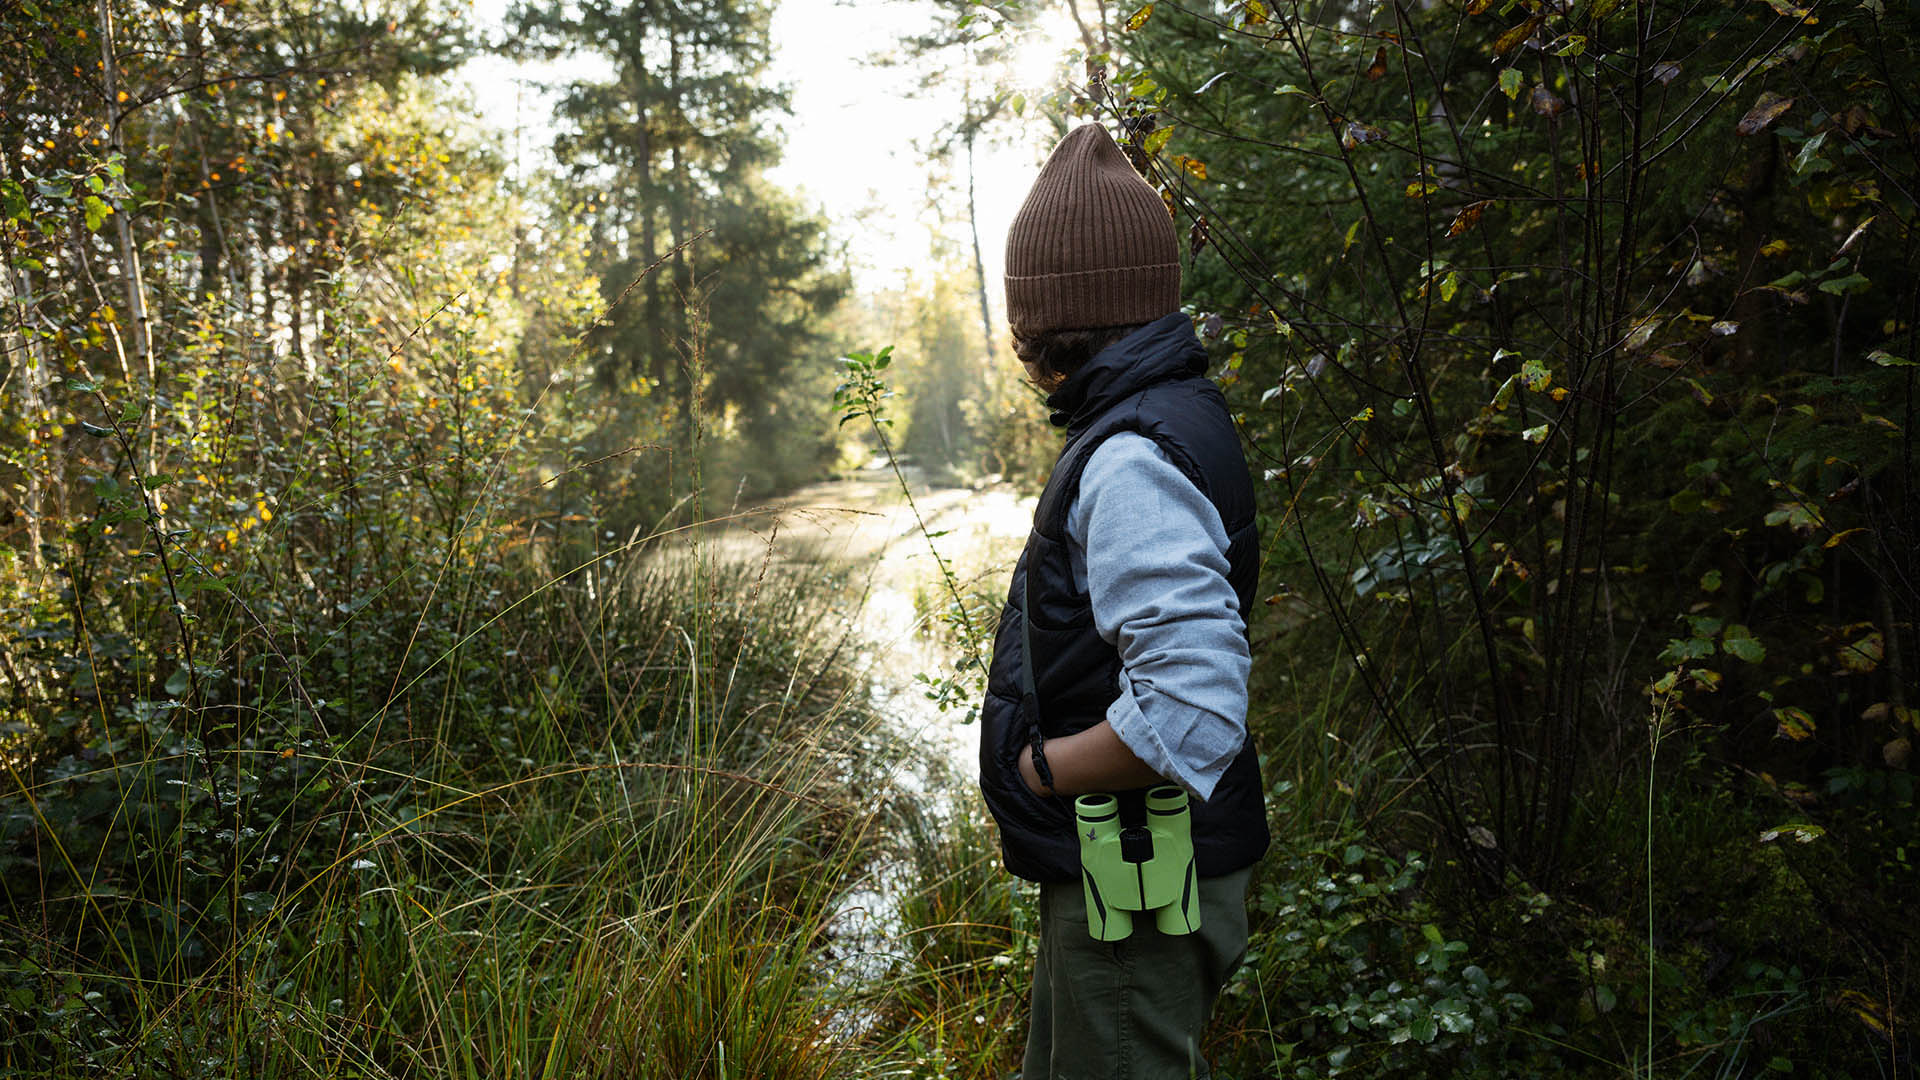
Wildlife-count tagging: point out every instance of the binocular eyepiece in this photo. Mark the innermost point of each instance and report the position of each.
(1144, 868)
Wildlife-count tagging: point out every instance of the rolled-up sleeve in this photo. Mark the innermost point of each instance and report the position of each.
(1152, 553)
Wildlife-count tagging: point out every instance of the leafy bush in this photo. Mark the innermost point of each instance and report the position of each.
(1349, 972)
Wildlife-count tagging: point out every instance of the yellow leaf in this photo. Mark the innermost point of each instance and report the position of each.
(1139, 18)
(1359, 134)
(1194, 167)
(1468, 217)
(1793, 723)
(1789, 9)
(1766, 109)
(1511, 40)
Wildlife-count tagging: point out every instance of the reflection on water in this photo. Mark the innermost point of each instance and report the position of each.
(864, 525)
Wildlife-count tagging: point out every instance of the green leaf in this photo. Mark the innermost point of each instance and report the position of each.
(1512, 82)
(1739, 642)
(1705, 626)
(95, 430)
(1572, 45)
(1156, 139)
(1887, 359)
(1808, 160)
(1534, 375)
(96, 211)
(179, 681)
(1449, 285)
(1852, 283)
(1799, 832)
(1682, 649)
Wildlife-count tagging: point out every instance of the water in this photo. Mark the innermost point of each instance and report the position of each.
(864, 524)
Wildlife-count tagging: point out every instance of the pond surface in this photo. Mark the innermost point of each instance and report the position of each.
(864, 524)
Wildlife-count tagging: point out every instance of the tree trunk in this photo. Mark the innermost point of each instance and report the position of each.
(129, 258)
(979, 267)
(29, 366)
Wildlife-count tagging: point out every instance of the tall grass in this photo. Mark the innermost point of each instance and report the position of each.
(621, 852)
(953, 999)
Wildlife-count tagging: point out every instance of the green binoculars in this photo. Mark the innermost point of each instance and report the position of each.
(1138, 868)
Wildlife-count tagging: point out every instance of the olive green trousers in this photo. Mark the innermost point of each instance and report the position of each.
(1130, 1009)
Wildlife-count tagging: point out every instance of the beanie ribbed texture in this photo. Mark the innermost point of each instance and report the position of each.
(1093, 244)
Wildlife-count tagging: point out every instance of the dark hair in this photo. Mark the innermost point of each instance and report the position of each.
(1054, 355)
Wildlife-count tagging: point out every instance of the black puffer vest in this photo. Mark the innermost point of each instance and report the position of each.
(1152, 383)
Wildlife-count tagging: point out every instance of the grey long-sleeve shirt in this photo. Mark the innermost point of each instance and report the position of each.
(1151, 552)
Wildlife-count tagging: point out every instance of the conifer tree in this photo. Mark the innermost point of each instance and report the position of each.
(668, 157)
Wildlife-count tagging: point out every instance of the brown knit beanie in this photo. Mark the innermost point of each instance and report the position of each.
(1093, 244)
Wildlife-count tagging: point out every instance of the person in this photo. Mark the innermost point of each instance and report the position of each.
(1121, 658)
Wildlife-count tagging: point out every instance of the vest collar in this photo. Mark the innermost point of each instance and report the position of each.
(1161, 350)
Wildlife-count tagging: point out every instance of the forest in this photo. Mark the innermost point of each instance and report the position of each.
(414, 661)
